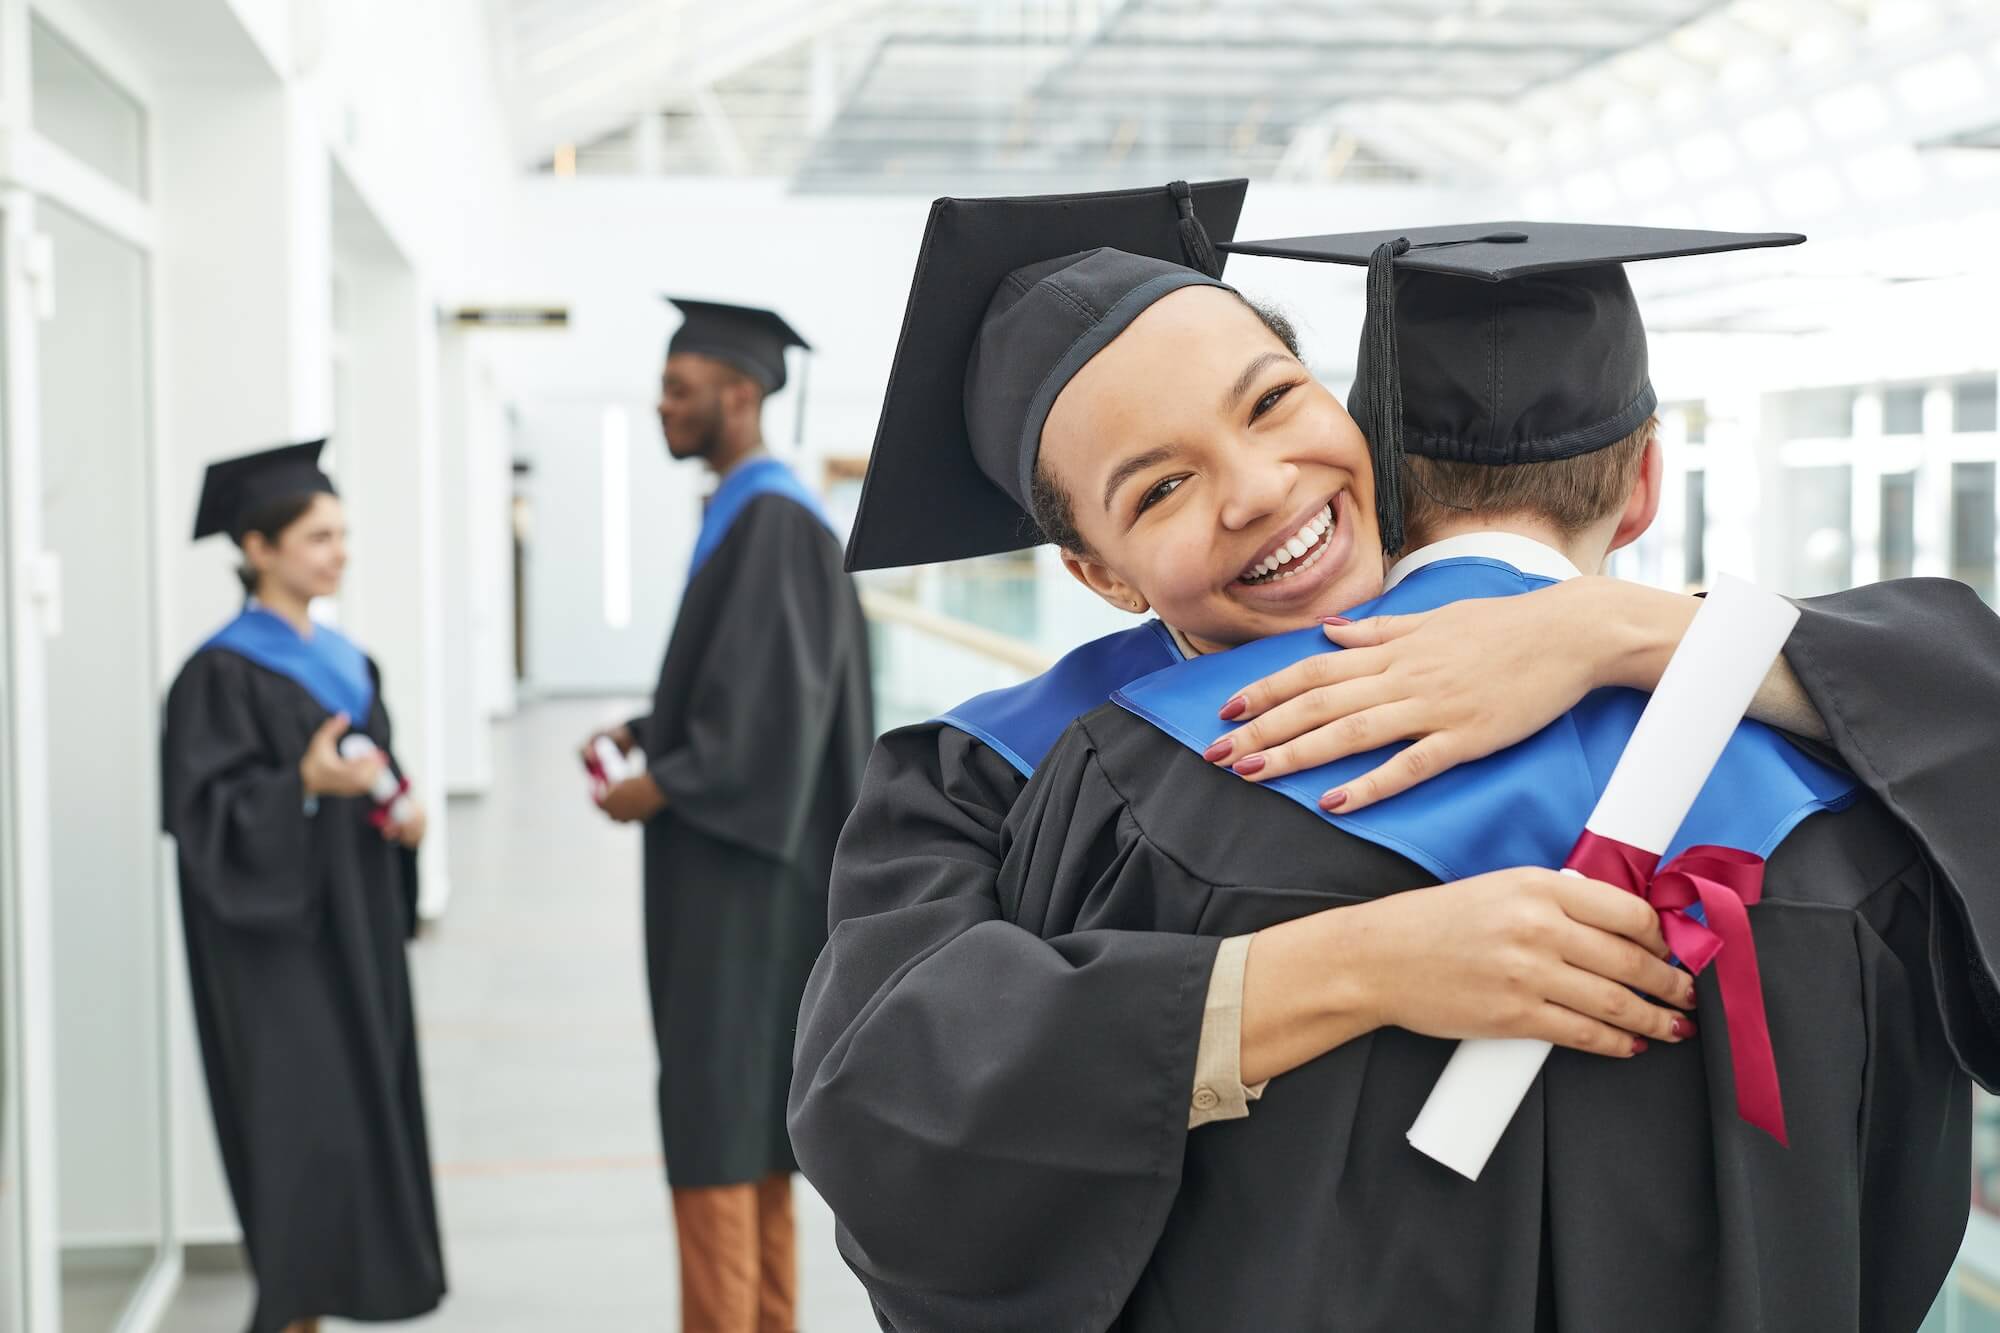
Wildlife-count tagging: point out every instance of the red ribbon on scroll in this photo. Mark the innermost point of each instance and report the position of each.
(1726, 883)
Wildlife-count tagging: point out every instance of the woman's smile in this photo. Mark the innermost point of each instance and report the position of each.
(1301, 559)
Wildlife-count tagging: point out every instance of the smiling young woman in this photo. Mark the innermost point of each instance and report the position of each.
(297, 902)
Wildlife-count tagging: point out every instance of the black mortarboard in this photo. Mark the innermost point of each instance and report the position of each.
(1541, 356)
(1011, 297)
(233, 489)
(750, 339)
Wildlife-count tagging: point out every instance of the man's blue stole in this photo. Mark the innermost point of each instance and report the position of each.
(1525, 805)
(1022, 722)
(758, 477)
(327, 665)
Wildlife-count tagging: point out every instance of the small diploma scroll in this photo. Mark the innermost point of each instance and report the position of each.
(1703, 695)
(390, 793)
(609, 766)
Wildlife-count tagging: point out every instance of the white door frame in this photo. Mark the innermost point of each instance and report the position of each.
(33, 169)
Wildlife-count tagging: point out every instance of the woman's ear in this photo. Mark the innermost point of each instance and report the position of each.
(1102, 580)
(257, 551)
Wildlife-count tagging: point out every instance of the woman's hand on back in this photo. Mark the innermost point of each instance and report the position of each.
(1460, 683)
(326, 773)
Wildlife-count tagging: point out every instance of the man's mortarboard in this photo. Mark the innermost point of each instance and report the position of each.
(234, 488)
(1011, 298)
(744, 337)
(1499, 342)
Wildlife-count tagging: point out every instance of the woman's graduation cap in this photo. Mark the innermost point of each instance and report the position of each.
(1011, 297)
(1499, 342)
(234, 488)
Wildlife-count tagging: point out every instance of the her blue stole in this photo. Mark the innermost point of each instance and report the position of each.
(328, 665)
(758, 477)
(1022, 722)
(1525, 805)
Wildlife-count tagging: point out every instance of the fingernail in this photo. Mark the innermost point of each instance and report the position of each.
(1683, 1028)
(1234, 708)
(1333, 800)
(1219, 751)
(1335, 620)
(1638, 1045)
(1253, 764)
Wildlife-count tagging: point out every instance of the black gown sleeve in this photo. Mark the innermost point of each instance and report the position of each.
(997, 1119)
(236, 810)
(765, 692)
(1906, 675)
(1915, 1114)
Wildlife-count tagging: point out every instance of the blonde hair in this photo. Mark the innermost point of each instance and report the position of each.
(1571, 493)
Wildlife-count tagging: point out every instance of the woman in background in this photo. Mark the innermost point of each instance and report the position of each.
(298, 898)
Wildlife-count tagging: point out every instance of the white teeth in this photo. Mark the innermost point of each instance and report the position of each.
(1304, 540)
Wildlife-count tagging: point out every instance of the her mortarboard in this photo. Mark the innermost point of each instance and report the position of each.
(234, 488)
(1011, 297)
(1499, 342)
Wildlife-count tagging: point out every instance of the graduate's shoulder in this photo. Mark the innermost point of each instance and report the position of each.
(1842, 857)
(926, 763)
(782, 512)
(1221, 827)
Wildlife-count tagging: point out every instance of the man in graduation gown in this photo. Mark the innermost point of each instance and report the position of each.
(1092, 908)
(754, 749)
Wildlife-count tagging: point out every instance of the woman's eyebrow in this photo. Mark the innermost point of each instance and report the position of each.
(1249, 377)
(1126, 470)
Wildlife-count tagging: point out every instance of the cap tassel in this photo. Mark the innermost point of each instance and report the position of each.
(1385, 393)
(1195, 245)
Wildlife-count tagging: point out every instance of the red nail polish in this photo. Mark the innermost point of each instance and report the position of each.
(1638, 1045)
(1683, 1029)
(1219, 751)
(1250, 766)
(1234, 708)
(1332, 801)
(1335, 620)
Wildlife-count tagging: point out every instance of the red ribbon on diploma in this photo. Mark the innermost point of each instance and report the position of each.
(1726, 882)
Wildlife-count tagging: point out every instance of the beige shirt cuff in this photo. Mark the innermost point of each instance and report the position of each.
(1219, 1093)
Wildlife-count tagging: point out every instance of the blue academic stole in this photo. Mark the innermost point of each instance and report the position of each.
(1022, 722)
(328, 665)
(758, 477)
(1525, 805)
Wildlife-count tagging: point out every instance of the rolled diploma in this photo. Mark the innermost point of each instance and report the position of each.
(387, 791)
(1703, 694)
(611, 761)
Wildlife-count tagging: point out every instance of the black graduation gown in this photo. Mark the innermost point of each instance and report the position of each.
(918, 869)
(296, 928)
(758, 736)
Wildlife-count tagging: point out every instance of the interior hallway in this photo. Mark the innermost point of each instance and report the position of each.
(539, 1069)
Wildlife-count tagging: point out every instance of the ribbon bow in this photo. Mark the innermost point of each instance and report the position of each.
(1725, 883)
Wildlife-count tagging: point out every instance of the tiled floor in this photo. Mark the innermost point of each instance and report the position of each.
(539, 1073)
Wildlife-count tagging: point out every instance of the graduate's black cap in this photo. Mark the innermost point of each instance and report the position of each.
(1499, 342)
(233, 489)
(1011, 297)
(750, 339)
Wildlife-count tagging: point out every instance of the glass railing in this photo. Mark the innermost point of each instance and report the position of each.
(925, 661)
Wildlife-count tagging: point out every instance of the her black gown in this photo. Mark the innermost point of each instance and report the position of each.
(997, 1049)
(296, 926)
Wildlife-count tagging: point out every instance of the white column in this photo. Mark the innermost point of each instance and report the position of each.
(390, 476)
